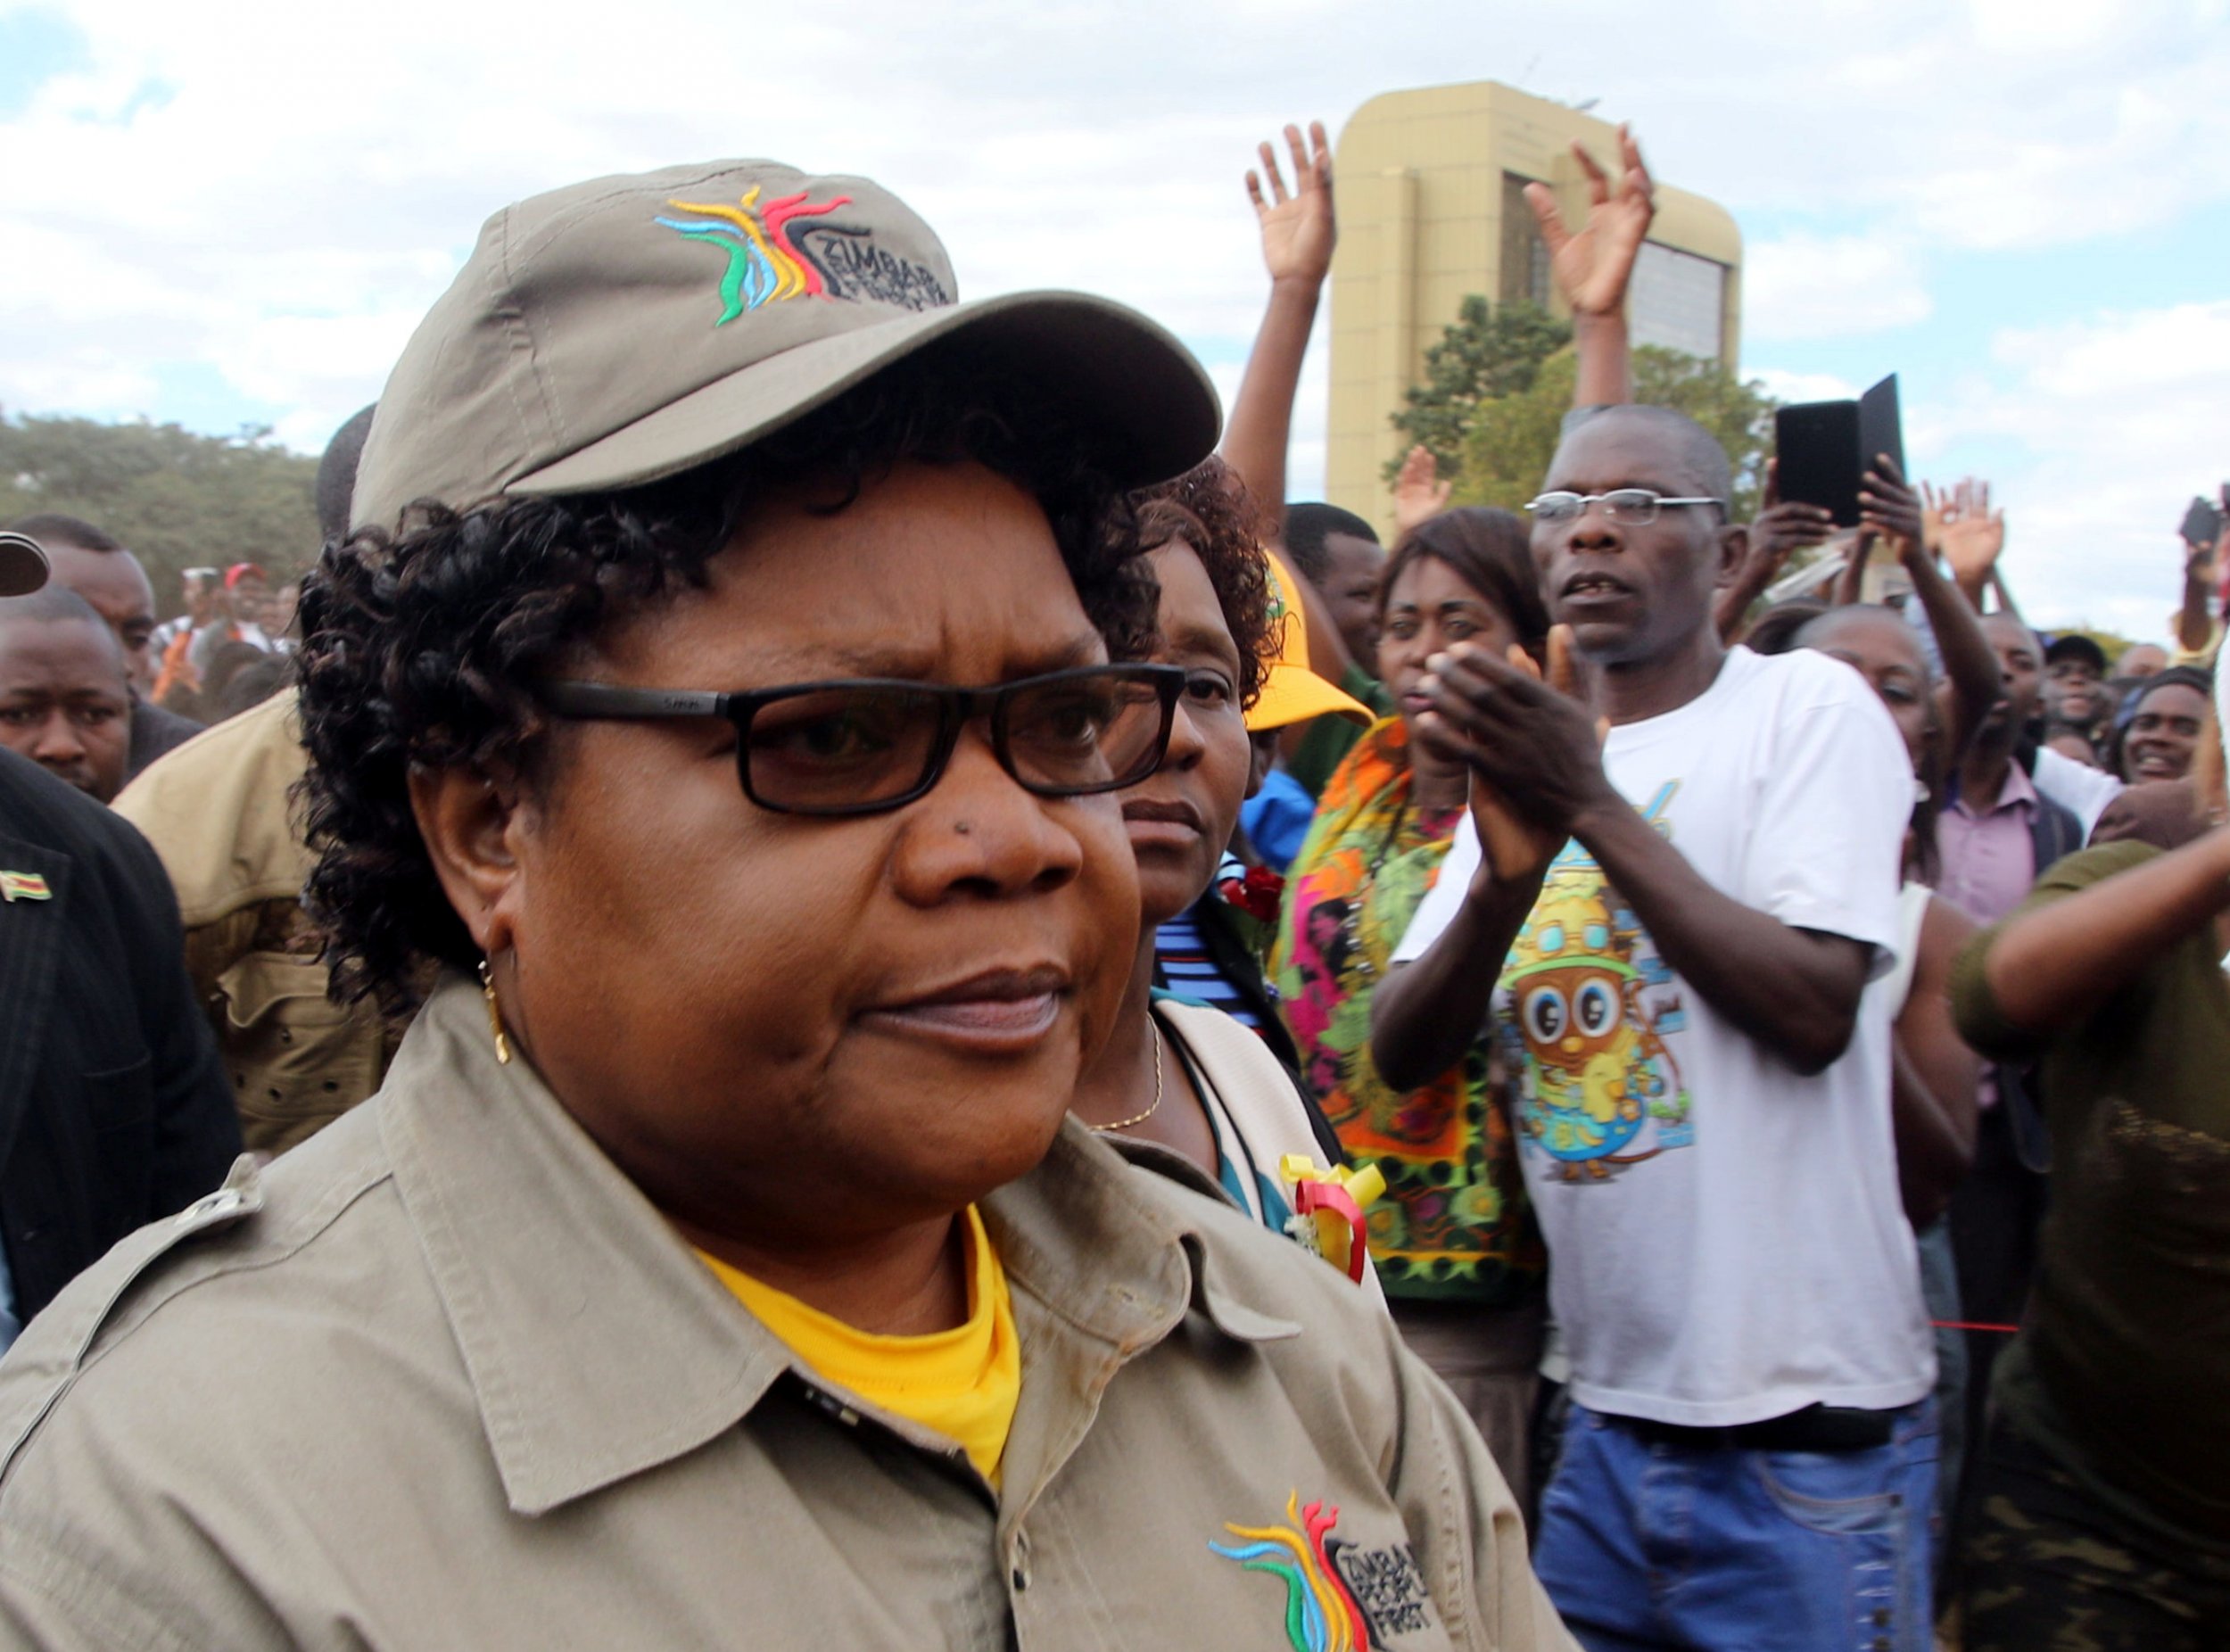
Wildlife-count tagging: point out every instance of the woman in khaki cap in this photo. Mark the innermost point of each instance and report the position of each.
(719, 672)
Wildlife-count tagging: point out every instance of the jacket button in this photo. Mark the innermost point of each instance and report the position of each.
(224, 1202)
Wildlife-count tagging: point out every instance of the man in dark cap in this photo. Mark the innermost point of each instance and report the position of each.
(2077, 700)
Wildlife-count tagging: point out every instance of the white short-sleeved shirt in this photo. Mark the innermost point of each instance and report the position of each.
(1726, 1239)
(2077, 788)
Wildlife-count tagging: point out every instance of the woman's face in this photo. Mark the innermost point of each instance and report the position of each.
(791, 1029)
(1180, 819)
(1883, 651)
(1323, 925)
(1429, 607)
(2163, 734)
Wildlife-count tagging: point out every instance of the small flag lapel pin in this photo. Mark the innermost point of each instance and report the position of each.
(23, 885)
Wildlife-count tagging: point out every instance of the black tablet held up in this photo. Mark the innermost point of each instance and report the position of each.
(1880, 426)
(1823, 448)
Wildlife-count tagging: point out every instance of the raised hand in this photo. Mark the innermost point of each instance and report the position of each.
(1592, 266)
(1782, 528)
(1418, 494)
(1298, 230)
(1934, 509)
(1974, 538)
(1891, 509)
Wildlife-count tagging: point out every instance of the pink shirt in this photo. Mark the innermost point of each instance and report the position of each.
(1989, 858)
(1989, 864)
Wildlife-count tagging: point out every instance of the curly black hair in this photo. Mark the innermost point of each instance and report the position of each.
(419, 649)
(1210, 508)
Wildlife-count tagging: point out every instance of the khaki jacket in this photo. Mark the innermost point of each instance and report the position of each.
(442, 1379)
(218, 813)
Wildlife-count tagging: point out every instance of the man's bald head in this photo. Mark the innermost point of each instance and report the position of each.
(1638, 593)
(58, 604)
(1701, 460)
(2007, 627)
(2020, 677)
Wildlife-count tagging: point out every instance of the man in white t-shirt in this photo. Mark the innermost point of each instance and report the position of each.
(1670, 926)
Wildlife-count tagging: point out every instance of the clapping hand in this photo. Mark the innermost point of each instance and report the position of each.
(1299, 229)
(1418, 494)
(1534, 754)
(1592, 267)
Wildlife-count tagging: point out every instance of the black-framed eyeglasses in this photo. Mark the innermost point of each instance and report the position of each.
(1629, 508)
(859, 746)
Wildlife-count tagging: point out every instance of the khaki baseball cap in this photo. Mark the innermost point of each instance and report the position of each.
(22, 565)
(631, 328)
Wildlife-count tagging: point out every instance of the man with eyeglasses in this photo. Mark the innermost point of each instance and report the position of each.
(1685, 886)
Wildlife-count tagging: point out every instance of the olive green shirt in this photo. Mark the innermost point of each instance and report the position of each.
(2120, 1371)
(442, 1379)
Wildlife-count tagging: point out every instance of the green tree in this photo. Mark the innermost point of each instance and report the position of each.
(1508, 440)
(179, 499)
(1487, 353)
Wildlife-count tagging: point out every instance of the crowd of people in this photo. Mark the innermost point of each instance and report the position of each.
(831, 978)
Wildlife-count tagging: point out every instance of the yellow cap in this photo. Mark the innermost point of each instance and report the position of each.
(1291, 692)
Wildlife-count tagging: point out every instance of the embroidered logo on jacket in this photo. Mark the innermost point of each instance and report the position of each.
(1338, 1596)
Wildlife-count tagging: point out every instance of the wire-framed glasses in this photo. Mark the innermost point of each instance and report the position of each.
(1630, 508)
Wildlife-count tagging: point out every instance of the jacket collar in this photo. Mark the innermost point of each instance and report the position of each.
(598, 1346)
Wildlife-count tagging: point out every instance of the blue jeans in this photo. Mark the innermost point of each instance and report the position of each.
(1646, 1544)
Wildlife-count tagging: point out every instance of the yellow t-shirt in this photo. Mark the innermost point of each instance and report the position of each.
(961, 1383)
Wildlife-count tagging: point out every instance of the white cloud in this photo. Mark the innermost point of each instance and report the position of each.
(1784, 386)
(302, 181)
(1813, 286)
(2113, 423)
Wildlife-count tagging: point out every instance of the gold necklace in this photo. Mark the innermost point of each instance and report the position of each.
(1124, 1124)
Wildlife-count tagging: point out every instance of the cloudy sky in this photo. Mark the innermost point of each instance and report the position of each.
(234, 213)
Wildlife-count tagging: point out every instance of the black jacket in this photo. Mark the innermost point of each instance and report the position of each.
(113, 1108)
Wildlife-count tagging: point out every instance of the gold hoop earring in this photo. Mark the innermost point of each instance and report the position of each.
(495, 1013)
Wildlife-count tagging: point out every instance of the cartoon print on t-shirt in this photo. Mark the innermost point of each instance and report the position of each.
(1597, 1087)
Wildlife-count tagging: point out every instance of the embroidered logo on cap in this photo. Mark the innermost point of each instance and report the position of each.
(1338, 1596)
(767, 265)
(764, 268)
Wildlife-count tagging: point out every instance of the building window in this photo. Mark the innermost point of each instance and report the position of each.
(1524, 273)
(1677, 301)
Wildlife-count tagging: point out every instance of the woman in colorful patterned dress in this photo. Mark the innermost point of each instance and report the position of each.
(1453, 1239)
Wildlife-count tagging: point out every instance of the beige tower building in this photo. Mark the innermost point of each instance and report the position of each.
(1431, 210)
